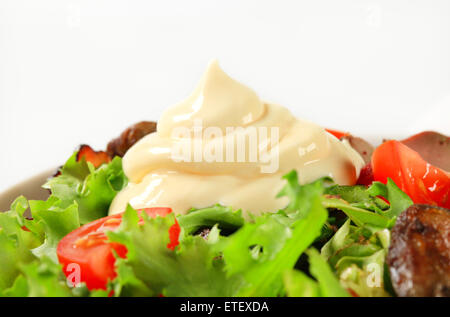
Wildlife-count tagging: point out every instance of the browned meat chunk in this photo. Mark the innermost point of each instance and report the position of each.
(119, 146)
(364, 148)
(419, 254)
(433, 147)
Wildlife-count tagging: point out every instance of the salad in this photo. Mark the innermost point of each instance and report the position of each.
(336, 219)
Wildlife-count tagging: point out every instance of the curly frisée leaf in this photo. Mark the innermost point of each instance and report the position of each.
(298, 284)
(92, 189)
(22, 271)
(225, 217)
(127, 284)
(192, 269)
(358, 215)
(359, 196)
(18, 289)
(278, 247)
(300, 196)
(259, 257)
(363, 205)
(249, 262)
(56, 222)
(328, 283)
(15, 243)
(45, 279)
(399, 201)
(357, 255)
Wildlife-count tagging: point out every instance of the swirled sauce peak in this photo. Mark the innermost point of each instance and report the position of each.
(218, 101)
(224, 145)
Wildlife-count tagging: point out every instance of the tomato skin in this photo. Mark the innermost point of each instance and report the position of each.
(88, 247)
(337, 134)
(423, 182)
(174, 233)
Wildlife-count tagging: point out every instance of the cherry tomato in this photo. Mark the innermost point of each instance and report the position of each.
(88, 248)
(423, 182)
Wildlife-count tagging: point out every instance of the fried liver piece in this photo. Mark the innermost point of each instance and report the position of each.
(433, 147)
(120, 145)
(364, 148)
(419, 253)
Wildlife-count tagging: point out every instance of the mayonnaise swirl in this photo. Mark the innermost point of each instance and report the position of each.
(157, 178)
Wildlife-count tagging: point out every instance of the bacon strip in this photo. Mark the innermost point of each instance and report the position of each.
(97, 158)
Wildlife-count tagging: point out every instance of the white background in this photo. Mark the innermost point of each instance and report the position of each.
(81, 71)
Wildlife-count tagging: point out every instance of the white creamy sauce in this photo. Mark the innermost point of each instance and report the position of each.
(157, 179)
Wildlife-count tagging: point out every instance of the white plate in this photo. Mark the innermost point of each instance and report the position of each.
(30, 188)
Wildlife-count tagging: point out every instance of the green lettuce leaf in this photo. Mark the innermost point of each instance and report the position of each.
(18, 289)
(224, 217)
(262, 251)
(28, 246)
(358, 215)
(328, 283)
(15, 243)
(56, 222)
(300, 196)
(364, 207)
(298, 284)
(249, 262)
(193, 269)
(92, 189)
(358, 196)
(238, 258)
(399, 200)
(127, 284)
(44, 278)
(357, 256)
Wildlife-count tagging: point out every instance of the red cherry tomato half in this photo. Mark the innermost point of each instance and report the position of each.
(423, 182)
(87, 252)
